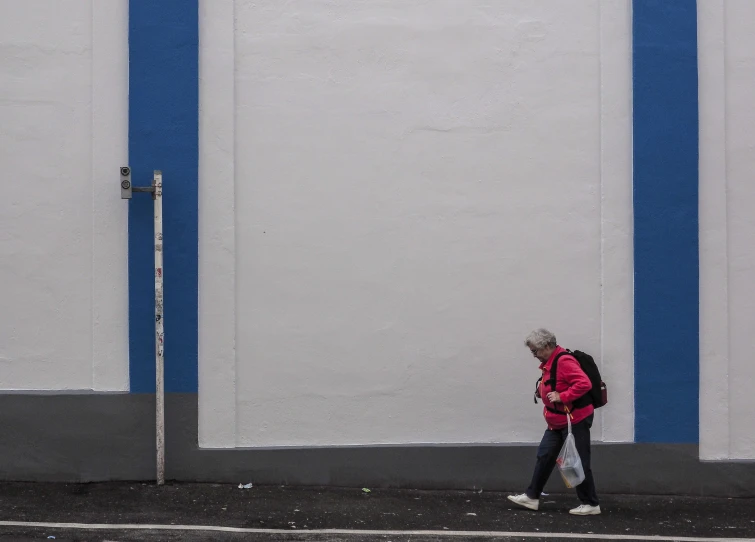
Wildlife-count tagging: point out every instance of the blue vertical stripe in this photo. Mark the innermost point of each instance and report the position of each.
(666, 220)
(164, 135)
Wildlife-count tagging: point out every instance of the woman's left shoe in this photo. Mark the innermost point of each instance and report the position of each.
(585, 510)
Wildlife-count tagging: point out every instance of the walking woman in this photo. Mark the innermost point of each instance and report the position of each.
(571, 384)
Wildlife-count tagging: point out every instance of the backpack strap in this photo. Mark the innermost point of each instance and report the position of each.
(564, 412)
(554, 369)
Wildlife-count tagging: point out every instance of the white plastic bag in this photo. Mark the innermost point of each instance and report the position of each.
(569, 462)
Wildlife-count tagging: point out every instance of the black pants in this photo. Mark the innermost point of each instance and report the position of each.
(548, 451)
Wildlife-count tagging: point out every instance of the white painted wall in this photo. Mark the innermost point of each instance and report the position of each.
(63, 112)
(392, 195)
(727, 227)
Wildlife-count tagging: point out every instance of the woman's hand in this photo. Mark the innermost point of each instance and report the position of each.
(554, 397)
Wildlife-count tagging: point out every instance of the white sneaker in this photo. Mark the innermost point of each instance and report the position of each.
(585, 510)
(524, 500)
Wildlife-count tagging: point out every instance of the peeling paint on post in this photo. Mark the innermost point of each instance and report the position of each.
(159, 328)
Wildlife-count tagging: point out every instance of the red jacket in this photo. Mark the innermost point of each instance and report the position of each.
(571, 383)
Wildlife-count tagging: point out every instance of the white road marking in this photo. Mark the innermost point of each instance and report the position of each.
(356, 532)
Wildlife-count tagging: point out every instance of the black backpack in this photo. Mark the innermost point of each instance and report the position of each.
(598, 395)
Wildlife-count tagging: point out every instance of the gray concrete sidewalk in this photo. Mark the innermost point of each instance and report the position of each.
(301, 509)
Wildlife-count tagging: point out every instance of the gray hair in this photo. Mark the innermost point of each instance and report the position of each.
(541, 338)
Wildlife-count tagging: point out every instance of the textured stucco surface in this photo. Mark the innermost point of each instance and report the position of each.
(727, 228)
(63, 101)
(391, 196)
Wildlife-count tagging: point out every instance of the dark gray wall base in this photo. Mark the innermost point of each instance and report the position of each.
(100, 437)
(73, 438)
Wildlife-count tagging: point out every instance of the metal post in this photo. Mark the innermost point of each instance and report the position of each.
(157, 195)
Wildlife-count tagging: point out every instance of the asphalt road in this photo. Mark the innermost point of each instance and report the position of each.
(309, 514)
